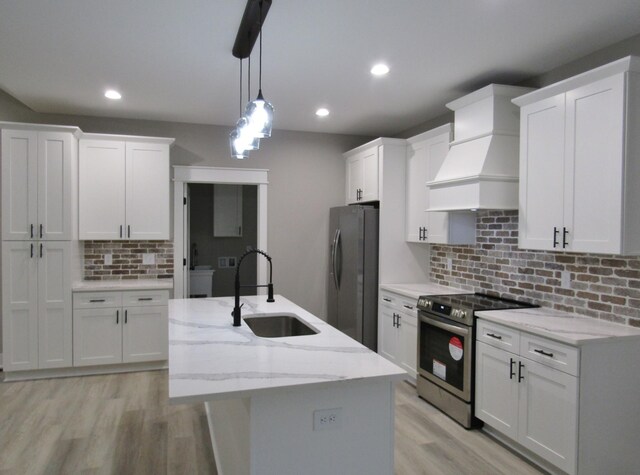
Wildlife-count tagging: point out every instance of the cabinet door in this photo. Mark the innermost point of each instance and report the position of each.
(19, 184)
(416, 197)
(19, 306)
(497, 389)
(227, 210)
(408, 342)
(145, 334)
(548, 414)
(97, 336)
(147, 199)
(370, 175)
(55, 154)
(594, 166)
(354, 178)
(542, 174)
(102, 189)
(387, 333)
(54, 305)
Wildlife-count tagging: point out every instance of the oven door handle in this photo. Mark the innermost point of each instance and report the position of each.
(462, 331)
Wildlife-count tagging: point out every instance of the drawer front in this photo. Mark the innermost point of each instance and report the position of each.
(388, 300)
(97, 299)
(408, 307)
(550, 353)
(139, 298)
(498, 336)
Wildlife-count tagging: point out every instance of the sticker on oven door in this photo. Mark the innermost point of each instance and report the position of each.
(439, 369)
(455, 348)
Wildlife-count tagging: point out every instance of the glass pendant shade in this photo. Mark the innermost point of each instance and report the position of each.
(246, 137)
(260, 115)
(237, 148)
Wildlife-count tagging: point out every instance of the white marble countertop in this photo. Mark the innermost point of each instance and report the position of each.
(565, 327)
(129, 284)
(210, 359)
(414, 291)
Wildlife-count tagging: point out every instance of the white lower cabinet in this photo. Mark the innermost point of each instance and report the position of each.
(398, 331)
(527, 389)
(528, 402)
(120, 327)
(36, 305)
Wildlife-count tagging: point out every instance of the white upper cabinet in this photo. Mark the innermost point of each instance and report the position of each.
(37, 174)
(580, 163)
(425, 154)
(363, 175)
(124, 188)
(227, 210)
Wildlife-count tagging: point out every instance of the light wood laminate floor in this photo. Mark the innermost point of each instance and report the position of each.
(122, 424)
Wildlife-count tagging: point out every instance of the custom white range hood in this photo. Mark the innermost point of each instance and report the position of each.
(481, 169)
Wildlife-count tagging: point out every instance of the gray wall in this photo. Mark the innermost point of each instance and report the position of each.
(306, 178)
(210, 248)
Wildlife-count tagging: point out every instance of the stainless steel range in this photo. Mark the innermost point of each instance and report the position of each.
(446, 348)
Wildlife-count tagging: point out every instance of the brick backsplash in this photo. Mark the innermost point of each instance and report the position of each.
(602, 286)
(127, 260)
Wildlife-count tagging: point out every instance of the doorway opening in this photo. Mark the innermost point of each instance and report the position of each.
(223, 225)
(254, 183)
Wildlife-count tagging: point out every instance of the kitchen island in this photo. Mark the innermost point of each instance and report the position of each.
(312, 404)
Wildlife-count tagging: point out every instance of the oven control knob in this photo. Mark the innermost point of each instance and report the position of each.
(463, 314)
(456, 312)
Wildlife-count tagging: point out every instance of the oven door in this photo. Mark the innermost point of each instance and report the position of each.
(445, 354)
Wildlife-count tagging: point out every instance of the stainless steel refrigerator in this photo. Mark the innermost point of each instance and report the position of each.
(352, 296)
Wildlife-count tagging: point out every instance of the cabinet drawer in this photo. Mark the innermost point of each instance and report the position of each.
(388, 300)
(498, 335)
(407, 306)
(97, 299)
(550, 353)
(144, 297)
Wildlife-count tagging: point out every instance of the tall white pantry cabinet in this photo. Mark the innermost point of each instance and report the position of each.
(38, 169)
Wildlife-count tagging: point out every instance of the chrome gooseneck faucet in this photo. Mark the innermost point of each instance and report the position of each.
(236, 309)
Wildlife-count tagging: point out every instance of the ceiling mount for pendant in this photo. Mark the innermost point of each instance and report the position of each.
(250, 26)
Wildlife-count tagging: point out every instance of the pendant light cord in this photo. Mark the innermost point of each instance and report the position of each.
(260, 74)
(240, 87)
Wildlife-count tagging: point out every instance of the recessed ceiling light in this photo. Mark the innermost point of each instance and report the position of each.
(322, 112)
(380, 69)
(112, 94)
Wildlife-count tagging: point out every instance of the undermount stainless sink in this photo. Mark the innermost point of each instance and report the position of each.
(278, 325)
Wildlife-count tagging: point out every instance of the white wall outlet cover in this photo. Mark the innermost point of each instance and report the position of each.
(327, 419)
(565, 279)
(222, 262)
(449, 263)
(148, 259)
(108, 259)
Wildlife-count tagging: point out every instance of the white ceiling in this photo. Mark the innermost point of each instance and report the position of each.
(172, 60)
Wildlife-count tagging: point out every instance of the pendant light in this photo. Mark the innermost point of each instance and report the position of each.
(260, 112)
(236, 141)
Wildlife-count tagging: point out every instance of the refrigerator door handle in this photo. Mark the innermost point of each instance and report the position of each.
(334, 258)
